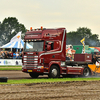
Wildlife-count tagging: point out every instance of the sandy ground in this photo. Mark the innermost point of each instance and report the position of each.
(49, 91)
(53, 91)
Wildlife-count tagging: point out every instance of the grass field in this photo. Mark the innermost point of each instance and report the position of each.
(48, 80)
(23, 81)
(4, 68)
(10, 66)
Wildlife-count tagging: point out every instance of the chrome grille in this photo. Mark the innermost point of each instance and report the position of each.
(30, 61)
(30, 66)
(30, 56)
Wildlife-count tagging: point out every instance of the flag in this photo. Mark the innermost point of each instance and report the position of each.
(17, 37)
(83, 41)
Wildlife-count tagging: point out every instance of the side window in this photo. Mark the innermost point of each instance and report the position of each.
(51, 44)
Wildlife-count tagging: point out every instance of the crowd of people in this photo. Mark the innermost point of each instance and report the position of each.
(70, 57)
(10, 55)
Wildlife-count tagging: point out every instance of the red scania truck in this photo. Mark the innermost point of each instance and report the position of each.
(45, 53)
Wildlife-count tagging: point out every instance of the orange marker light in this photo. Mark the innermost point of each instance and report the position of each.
(42, 67)
(31, 28)
(41, 28)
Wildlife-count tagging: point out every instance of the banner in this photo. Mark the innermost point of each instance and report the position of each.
(10, 61)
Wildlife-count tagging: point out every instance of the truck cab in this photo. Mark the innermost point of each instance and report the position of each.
(44, 50)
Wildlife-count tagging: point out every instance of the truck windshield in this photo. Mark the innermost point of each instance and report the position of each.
(33, 46)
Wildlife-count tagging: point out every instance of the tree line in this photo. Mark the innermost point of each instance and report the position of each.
(74, 37)
(10, 26)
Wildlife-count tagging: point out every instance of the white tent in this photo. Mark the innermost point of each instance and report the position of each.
(16, 44)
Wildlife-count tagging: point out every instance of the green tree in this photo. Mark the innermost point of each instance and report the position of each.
(73, 38)
(9, 28)
(84, 32)
(93, 40)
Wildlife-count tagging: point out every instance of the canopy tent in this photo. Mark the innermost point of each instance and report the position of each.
(16, 44)
(93, 49)
(98, 48)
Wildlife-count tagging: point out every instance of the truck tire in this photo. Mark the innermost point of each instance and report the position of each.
(3, 79)
(33, 75)
(54, 72)
(86, 72)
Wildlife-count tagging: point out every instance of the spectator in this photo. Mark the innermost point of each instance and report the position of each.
(21, 54)
(6, 55)
(0, 55)
(94, 60)
(17, 55)
(3, 54)
(14, 55)
(11, 54)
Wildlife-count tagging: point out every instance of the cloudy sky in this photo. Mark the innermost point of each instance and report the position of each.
(70, 14)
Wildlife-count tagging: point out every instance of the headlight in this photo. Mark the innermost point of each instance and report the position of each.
(62, 63)
(25, 56)
(24, 61)
(40, 67)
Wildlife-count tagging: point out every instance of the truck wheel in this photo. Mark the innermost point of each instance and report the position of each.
(86, 72)
(33, 75)
(54, 72)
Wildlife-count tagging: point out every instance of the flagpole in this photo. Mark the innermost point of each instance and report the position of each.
(83, 48)
(20, 44)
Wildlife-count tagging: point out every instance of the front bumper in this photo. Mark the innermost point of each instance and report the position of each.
(38, 69)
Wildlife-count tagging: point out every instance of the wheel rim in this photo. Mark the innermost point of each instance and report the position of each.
(54, 72)
(86, 72)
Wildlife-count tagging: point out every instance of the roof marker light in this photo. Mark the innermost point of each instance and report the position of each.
(41, 27)
(31, 28)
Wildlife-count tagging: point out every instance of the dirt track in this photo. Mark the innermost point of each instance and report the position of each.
(50, 91)
(14, 74)
(56, 91)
